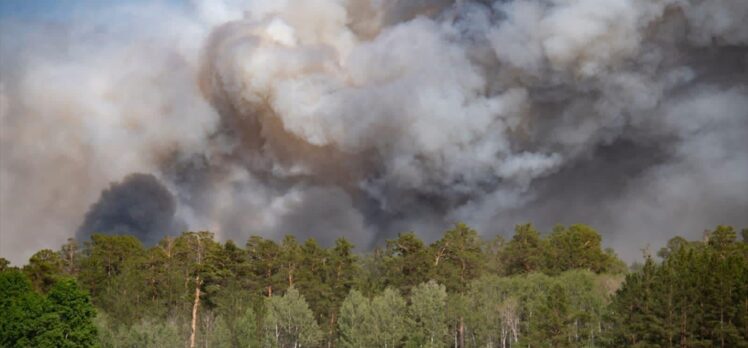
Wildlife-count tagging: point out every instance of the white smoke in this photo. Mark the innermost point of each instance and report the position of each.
(362, 118)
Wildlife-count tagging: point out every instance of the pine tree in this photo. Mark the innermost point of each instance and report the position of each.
(43, 269)
(265, 263)
(341, 276)
(290, 259)
(694, 298)
(314, 279)
(105, 257)
(577, 247)
(526, 252)
(406, 262)
(4, 264)
(458, 258)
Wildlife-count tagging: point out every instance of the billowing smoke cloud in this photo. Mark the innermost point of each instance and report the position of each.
(364, 118)
(140, 206)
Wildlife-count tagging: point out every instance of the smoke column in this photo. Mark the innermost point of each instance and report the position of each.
(365, 118)
(139, 206)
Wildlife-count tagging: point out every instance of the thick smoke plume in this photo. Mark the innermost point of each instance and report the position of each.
(140, 206)
(365, 118)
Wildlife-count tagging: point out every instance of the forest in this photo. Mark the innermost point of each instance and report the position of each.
(556, 289)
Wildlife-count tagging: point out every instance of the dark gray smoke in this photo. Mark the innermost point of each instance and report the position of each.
(365, 118)
(139, 205)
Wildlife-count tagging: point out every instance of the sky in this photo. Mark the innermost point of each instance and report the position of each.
(60, 9)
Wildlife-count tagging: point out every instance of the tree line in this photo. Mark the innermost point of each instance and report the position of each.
(560, 289)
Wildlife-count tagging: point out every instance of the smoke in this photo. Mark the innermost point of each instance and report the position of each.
(140, 206)
(365, 118)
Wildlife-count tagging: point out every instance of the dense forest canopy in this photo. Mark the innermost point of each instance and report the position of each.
(559, 289)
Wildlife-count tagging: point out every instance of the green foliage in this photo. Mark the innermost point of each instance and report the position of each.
(380, 322)
(145, 334)
(577, 247)
(427, 312)
(491, 309)
(566, 248)
(106, 258)
(406, 262)
(458, 258)
(13, 284)
(43, 269)
(324, 276)
(4, 264)
(493, 251)
(697, 297)
(290, 259)
(236, 332)
(64, 318)
(356, 321)
(673, 245)
(70, 257)
(559, 290)
(343, 268)
(550, 329)
(73, 308)
(504, 311)
(290, 322)
(526, 252)
(21, 310)
(389, 320)
(265, 261)
(236, 322)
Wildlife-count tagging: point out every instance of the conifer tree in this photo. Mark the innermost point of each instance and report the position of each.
(526, 252)
(4, 264)
(406, 262)
(576, 247)
(265, 263)
(43, 269)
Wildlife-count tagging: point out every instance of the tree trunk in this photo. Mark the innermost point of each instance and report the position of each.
(454, 336)
(268, 274)
(461, 333)
(331, 332)
(440, 253)
(503, 335)
(195, 305)
(683, 331)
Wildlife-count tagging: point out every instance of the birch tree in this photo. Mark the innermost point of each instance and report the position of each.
(428, 314)
(289, 322)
